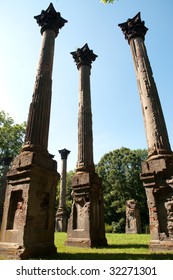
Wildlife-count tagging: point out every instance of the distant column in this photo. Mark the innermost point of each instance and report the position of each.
(157, 170)
(28, 223)
(86, 223)
(61, 215)
(6, 163)
(133, 221)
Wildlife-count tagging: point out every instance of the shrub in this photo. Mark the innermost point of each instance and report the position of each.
(108, 228)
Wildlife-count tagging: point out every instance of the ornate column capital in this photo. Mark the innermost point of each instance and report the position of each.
(83, 56)
(50, 19)
(64, 153)
(133, 27)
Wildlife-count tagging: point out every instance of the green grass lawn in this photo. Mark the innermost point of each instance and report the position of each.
(120, 247)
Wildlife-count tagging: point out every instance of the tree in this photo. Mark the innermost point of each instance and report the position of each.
(107, 1)
(120, 172)
(11, 137)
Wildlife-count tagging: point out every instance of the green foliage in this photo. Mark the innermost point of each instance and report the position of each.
(11, 137)
(117, 226)
(107, 1)
(120, 172)
(70, 175)
(108, 228)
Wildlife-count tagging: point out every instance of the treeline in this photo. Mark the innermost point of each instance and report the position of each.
(11, 138)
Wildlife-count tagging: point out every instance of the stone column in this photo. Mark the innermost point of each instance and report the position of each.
(86, 223)
(38, 123)
(61, 215)
(156, 132)
(83, 58)
(133, 221)
(6, 163)
(29, 211)
(157, 170)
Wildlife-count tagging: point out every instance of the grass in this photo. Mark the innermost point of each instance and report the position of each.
(120, 247)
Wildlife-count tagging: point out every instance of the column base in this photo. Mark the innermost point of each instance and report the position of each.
(157, 245)
(61, 220)
(86, 223)
(15, 251)
(28, 223)
(86, 242)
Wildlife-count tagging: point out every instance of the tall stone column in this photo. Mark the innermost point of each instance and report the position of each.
(38, 123)
(29, 210)
(157, 170)
(156, 132)
(6, 163)
(61, 215)
(86, 223)
(83, 58)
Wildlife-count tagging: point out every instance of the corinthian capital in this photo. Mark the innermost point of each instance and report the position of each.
(133, 27)
(50, 19)
(83, 56)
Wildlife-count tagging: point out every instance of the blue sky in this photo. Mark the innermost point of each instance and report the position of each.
(116, 109)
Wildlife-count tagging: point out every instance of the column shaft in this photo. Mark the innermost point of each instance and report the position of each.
(85, 137)
(61, 215)
(155, 127)
(7, 161)
(62, 197)
(39, 114)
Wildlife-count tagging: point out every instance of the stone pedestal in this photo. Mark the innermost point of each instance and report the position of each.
(28, 227)
(86, 223)
(133, 221)
(157, 170)
(157, 177)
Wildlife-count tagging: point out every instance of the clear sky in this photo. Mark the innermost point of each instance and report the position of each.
(116, 109)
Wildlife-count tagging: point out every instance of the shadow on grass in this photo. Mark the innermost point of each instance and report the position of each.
(127, 246)
(112, 255)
